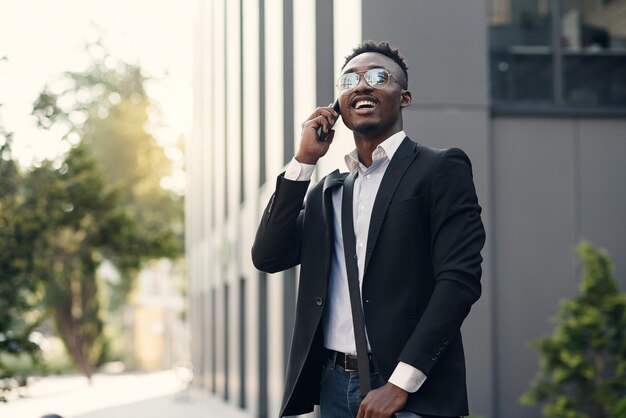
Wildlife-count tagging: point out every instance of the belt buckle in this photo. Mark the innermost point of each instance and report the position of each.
(350, 363)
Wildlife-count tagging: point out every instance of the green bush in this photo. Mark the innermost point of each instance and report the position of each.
(582, 370)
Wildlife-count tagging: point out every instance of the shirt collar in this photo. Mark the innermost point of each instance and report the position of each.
(385, 149)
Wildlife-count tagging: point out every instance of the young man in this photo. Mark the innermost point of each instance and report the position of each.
(418, 237)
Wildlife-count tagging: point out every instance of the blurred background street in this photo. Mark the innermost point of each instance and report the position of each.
(153, 395)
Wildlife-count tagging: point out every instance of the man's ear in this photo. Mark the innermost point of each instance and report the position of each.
(406, 99)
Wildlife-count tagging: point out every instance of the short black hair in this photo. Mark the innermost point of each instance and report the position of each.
(382, 48)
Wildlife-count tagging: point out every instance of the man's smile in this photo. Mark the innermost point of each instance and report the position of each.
(363, 105)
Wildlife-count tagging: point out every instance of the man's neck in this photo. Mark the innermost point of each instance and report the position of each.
(366, 145)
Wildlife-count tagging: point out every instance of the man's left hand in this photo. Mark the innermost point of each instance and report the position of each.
(383, 402)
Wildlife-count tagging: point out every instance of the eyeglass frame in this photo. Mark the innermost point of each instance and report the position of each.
(362, 73)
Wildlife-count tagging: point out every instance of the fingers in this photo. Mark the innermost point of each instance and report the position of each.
(382, 402)
(330, 136)
(319, 121)
(361, 413)
(326, 111)
(311, 147)
(322, 116)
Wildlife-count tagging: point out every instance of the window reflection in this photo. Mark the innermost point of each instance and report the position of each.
(521, 51)
(577, 59)
(594, 52)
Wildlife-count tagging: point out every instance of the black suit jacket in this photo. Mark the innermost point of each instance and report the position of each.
(422, 273)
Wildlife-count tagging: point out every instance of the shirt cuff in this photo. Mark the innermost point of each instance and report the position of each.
(297, 171)
(407, 377)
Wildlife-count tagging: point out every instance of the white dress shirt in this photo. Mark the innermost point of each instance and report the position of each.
(338, 327)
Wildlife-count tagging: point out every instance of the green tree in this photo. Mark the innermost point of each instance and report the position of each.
(107, 107)
(104, 202)
(82, 224)
(583, 363)
(17, 289)
(18, 233)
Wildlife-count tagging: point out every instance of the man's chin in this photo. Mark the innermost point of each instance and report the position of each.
(366, 128)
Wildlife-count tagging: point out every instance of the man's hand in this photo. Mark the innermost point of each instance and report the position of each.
(383, 402)
(311, 148)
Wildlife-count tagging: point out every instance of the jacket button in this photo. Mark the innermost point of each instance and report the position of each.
(319, 301)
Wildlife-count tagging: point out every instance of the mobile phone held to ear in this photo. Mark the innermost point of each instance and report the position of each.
(320, 133)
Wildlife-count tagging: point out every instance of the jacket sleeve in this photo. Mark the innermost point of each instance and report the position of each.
(457, 237)
(278, 239)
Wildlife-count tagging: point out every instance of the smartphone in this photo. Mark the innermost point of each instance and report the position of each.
(320, 133)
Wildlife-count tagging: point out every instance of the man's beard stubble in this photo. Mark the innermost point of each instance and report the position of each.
(366, 128)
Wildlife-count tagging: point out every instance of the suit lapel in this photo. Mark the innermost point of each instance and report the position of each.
(331, 181)
(398, 165)
(334, 179)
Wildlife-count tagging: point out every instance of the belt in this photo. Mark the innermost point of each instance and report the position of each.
(349, 361)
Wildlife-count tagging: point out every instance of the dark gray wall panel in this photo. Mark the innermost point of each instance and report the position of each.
(451, 127)
(444, 42)
(325, 81)
(534, 212)
(603, 188)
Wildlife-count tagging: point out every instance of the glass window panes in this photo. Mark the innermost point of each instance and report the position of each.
(558, 52)
(594, 52)
(521, 51)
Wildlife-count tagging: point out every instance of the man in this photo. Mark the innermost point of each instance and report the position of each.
(418, 237)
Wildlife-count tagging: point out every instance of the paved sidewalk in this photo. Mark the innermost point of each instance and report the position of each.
(151, 395)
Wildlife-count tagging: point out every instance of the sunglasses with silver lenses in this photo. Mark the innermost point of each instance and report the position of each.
(376, 77)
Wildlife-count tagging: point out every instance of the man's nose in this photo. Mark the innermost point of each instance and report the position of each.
(362, 84)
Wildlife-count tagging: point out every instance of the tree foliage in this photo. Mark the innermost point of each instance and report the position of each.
(106, 106)
(17, 288)
(102, 201)
(107, 193)
(83, 224)
(583, 363)
(18, 233)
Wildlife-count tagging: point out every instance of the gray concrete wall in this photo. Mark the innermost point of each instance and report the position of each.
(555, 181)
(602, 187)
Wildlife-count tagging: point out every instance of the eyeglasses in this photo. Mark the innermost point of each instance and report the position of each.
(376, 77)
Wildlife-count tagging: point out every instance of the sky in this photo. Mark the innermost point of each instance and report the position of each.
(42, 38)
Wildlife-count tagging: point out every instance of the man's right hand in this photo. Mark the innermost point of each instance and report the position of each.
(311, 148)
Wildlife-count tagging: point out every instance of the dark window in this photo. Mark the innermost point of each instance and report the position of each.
(213, 343)
(324, 51)
(263, 372)
(201, 348)
(288, 144)
(226, 342)
(289, 305)
(558, 53)
(242, 343)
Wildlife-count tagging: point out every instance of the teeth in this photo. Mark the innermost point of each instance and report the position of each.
(362, 103)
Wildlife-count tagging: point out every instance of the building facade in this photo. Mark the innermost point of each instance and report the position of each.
(533, 90)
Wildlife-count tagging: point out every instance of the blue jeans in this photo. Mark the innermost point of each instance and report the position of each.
(340, 393)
